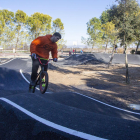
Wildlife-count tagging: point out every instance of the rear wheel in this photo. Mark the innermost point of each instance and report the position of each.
(43, 83)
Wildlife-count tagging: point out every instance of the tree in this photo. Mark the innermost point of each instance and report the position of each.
(126, 10)
(94, 30)
(20, 20)
(9, 35)
(137, 29)
(108, 29)
(2, 25)
(6, 18)
(39, 24)
(114, 38)
(61, 43)
(57, 25)
(104, 17)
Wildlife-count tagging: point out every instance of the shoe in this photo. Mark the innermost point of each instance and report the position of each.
(32, 83)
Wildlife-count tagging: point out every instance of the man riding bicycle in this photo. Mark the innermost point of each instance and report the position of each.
(40, 47)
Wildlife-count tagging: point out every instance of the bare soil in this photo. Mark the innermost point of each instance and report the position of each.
(99, 82)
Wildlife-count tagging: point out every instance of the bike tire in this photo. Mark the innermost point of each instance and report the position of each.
(43, 89)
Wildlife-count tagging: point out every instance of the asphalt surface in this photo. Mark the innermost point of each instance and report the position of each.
(98, 58)
(60, 115)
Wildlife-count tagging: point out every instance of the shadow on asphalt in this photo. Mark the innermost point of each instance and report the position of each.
(11, 80)
(14, 127)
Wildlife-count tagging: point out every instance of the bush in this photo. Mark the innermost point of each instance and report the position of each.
(132, 51)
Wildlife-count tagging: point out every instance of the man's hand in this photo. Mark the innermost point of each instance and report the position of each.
(55, 59)
(34, 56)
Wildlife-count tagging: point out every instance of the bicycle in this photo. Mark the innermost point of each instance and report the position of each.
(41, 80)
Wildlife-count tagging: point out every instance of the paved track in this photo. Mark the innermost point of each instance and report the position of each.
(63, 115)
(97, 58)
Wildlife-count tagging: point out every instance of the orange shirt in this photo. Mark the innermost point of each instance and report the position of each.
(42, 45)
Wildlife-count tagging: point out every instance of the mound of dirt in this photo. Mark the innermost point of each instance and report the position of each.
(79, 59)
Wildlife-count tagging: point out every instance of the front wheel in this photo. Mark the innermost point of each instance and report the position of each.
(43, 82)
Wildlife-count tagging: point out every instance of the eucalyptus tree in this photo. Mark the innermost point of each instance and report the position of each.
(125, 23)
(108, 31)
(105, 17)
(61, 43)
(39, 24)
(6, 18)
(2, 23)
(9, 36)
(94, 30)
(137, 29)
(19, 20)
(57, 26)
(114, 36)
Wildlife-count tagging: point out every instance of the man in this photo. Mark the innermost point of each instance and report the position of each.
(40, 47)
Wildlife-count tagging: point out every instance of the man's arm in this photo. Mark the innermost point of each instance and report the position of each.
(54, 52)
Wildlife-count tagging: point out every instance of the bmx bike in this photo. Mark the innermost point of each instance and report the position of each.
(41, 80)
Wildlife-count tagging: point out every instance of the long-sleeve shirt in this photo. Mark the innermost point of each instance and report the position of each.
(42, 45)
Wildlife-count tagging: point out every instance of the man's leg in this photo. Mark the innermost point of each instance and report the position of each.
(35, 66)
(45, 67)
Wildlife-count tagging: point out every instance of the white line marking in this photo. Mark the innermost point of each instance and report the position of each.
(92, 99)
(108, 104)
(7, 61)
(29, 82)
(53, 125)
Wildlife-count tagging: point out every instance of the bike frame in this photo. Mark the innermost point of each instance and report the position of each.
(42, 68)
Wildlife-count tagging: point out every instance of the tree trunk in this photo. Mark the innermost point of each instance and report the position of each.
(106, 47)
(127, 72)
(137, 47)
(111, 55)
(16, 43)
(126, 65)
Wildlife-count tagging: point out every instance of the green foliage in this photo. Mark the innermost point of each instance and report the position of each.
(61, 43)
(8, 16)
(38, 24)
(19, 28)
(104, 17)
(126, 20)
(20, 17)
(57, 25)
(94, 30)
(2, 24)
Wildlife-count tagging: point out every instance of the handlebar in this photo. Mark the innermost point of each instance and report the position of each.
(40, 60)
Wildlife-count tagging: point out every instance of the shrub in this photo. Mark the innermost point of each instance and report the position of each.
(132, 51)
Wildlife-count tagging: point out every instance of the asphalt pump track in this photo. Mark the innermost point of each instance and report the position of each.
(61, 115)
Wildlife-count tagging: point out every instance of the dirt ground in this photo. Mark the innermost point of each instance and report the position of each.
(99, 82)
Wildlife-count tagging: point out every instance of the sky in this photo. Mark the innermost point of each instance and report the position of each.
(74, 14)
